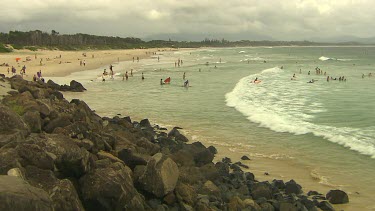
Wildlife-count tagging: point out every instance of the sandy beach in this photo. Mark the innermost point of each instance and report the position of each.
(63, 63)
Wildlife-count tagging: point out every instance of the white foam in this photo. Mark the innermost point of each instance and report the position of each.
(276, 105)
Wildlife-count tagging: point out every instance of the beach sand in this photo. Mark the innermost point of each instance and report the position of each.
(63, 63)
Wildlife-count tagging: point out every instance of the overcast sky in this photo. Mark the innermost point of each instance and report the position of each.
(279, 19)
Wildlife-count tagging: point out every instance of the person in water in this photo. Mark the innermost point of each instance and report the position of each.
(256, 79)
(143, 78)
(186, 83)
(161, 81)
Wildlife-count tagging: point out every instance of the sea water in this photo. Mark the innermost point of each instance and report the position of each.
(325, 128)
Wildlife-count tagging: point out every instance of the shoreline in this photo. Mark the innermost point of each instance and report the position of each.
(55, 66)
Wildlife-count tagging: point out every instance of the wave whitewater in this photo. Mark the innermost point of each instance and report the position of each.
(275, 105)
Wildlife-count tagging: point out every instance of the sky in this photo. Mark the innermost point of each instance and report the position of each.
(230, 19)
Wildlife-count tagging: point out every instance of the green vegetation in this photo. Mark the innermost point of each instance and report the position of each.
(33, 40)
(4, 49)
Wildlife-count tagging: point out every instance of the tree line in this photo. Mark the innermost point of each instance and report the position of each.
(54, 40)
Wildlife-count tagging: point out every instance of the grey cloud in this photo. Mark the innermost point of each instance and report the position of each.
(282, 20)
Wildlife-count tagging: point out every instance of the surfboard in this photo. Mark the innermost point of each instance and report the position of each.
(168, 80)
(257, 82)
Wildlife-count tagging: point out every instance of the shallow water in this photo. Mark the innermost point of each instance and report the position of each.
(321, 133)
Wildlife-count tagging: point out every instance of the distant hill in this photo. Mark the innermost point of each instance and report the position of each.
(194, 37)
(345, 39)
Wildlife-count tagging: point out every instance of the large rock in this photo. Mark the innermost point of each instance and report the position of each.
(8, 159)
(209, 188)
(69, 159)
(65, 197)
(32, 119)
(160, 176)
(32, 154)
(16, 194)
(111, 188)
(11, 122)
(133, 159)
(76, 86)
(292, 187)
(262, 189)
(186, 194)
(60, 121)
(337, 197)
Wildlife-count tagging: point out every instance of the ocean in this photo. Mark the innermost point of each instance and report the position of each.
(321, 134)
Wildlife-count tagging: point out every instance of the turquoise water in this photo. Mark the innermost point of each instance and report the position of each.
(324, 127)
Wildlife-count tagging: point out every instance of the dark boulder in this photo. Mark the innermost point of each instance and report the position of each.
(62, 192)
(286, 206)
(160, 176)
(10, 122)
(76, 86)
(245, 158)
(9, 159)
(325, 206)
(212, 149)
(69, 159)
(16, 194)
(33, 154)
(292, 187)
(279, 184)
(185, 194)
(145, 123)
(53, 85)
(337, 197)
(262, 189)
(61, 121)
(111, 188)
(32, 119)
(132, 159)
